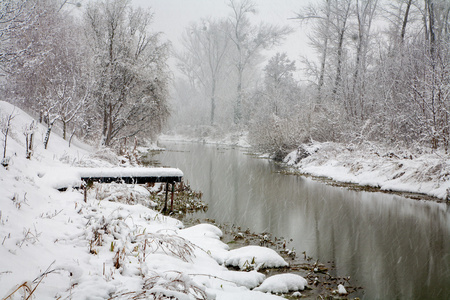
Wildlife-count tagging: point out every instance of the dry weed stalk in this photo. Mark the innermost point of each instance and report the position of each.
(17, 202)
(27, 287)
(119, 258)
(169, 244)
(29, 237)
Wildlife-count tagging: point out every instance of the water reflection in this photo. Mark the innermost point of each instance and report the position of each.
(397, 248)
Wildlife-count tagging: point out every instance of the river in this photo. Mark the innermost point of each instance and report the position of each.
(393, 247)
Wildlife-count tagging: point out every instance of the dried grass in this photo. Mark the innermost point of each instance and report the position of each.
(167, 285)
(172, 245)
(28, 288)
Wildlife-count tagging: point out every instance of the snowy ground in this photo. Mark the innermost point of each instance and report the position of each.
(421, 171)
(54, 245)
(232, 139)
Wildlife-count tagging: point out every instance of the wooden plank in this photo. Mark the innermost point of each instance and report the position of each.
(133, 179)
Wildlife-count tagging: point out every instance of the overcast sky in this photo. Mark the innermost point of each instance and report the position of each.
(172, 16)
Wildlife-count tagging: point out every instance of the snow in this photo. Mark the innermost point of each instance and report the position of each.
(239, 139)
(254, 256)
(129, 172)
(71, 177)
(283, 283)
(342, 290)
(110, 246)
(426, 172)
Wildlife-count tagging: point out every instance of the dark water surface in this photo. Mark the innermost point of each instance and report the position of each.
(395, 248)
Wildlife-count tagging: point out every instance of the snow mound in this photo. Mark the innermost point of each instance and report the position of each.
(254, 257)
(342, 290)
(283, 283)
(246, 279)
(207, 237)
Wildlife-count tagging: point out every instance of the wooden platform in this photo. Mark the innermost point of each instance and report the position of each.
(133, 179)
(130, 175)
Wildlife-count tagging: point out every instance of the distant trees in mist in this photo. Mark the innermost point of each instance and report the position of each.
(380, 73)
(219, 56)
(102, 75)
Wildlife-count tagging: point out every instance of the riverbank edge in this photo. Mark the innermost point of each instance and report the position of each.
(321, 276)
(419, 174)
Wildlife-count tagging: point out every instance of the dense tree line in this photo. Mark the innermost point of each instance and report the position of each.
(380, 73)
(101, 75)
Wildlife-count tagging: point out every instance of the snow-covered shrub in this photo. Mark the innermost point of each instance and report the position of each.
(296, 156)
(123, 193)
(277, 136)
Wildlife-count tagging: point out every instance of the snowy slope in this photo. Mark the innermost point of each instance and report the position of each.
(54, 245)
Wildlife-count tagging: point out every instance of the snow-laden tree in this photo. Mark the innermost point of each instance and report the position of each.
(318, 17)
(129, 68)
(15, 16)
(412, 74)
(279, 116)
(356, 102)
(280, 86)
(50, 76)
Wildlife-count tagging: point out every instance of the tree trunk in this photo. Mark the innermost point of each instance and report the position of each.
(324, 55)
(105, 124)
(213, 101)
(47, 134)
(64, 123)
(405, 21)
(238, 107)
(109, 127)
(337, 80)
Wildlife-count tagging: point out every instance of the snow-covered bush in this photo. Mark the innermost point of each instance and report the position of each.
(123, 193)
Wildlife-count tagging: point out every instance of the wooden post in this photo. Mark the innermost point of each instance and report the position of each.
(171, 197)
(167, 192)
(84, 185)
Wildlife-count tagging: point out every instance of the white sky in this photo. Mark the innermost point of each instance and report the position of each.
(172, 16)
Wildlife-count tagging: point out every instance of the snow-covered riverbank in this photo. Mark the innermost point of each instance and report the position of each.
(54, 245)
(422, 171)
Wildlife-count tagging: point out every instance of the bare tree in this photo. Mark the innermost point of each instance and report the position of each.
(249, 40)
(28, 132)
(365, 13)
(5, 127)
(320, 17)
(341, 14)
(206, 45)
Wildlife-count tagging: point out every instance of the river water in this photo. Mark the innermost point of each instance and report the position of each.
(393, 247)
